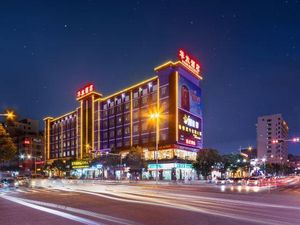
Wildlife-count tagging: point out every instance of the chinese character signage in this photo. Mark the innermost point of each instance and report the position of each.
(86, 90)
(189, 61)
(189, 113)
(189, 129)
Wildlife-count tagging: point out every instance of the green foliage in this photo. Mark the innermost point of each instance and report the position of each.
(8, 149)
(206, 160)
(59, 165)
(233, 162)
(135, 159)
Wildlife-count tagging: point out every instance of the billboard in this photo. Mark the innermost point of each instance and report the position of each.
(189, 129)
(189, 113)
(189, 96)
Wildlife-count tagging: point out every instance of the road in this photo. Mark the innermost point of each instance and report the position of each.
(87, 203)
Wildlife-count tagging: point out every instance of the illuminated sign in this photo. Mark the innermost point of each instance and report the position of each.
(26, 142)
(189, 129)
(190, 142)
(189, 61)
(80, 164)
(86, 90)
(189, 96)
(169, 166)
(187, 120)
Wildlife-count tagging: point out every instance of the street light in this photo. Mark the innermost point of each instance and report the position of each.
(22, 156)
(156, 117)
(9, 115)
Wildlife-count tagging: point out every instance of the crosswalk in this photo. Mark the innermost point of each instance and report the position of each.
(23, 190)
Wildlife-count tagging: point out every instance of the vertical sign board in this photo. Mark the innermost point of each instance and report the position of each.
(189, 113)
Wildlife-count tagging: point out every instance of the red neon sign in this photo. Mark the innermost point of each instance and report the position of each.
(190, 142)
(26, 142)
(86, 90)
(189, 61)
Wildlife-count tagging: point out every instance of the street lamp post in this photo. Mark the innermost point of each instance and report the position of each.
(156, 117)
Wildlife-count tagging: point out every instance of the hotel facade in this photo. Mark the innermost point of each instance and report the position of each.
(123, 120)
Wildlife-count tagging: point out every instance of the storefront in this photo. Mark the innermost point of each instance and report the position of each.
(170, 171)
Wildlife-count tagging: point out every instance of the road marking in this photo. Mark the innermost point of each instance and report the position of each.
(52, 211)
(81, 211)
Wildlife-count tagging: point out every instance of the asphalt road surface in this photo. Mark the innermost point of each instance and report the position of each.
(86, 203)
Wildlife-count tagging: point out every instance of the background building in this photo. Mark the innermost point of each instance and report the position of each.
(270, 128)
(29, 142)
(123, 119)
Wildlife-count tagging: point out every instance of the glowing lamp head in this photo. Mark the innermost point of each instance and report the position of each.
(10, 115)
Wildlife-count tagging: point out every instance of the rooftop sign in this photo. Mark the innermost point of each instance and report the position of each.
(86, 90)
(190, 62)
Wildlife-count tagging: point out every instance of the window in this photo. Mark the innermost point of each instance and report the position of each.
(119, 132)
(104, 114)
(154, 97)
(126, 143)
(136, 128)
(145, 91)
(135, 95)
(119, 144)
(135, 141)
(111, 134)
(105, 124)
(111, 111)
(127, 106)
(111, 122)
(104, 135)
(127, 118)
(136, 103)
(135, 115)
(144, 126)
(144, 101)
(163, 136)
(127, 130)
(119, 120)
(119, 109)
(164, 91)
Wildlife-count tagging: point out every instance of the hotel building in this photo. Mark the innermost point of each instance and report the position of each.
(123, 119)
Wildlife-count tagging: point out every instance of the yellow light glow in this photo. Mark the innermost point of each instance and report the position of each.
(176, 104)
(127, 89)
(60, 117)
(10, 115)
(170, 63)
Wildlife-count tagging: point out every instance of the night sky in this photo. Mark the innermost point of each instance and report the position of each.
(249, 52)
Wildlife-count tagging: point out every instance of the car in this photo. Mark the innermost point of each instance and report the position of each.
(253, 181)
(9, 183)
(23, 181)
(238, 181)
(220, 181)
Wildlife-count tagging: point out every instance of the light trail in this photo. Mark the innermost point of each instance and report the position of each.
(81, 211)
(52, 211)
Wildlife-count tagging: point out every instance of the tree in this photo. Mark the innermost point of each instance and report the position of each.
(233, 162)
(8, 149)
(135, 160)
(206, 159)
